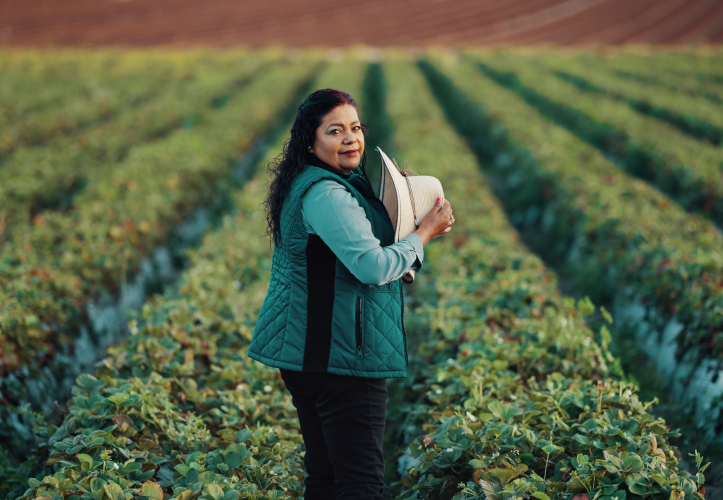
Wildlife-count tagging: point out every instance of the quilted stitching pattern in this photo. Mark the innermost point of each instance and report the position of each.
(383, 325)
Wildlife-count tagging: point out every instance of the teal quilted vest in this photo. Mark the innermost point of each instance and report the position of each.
(317, 317)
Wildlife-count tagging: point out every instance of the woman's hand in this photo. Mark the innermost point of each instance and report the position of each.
(438, 221)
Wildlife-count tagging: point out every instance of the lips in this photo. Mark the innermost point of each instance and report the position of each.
(351, 152)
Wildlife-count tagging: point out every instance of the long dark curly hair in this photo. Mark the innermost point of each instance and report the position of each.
(290, 163)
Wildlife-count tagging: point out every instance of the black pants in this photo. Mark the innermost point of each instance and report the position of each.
(342, 421)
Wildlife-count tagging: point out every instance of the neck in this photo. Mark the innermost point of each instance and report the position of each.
(312, 159)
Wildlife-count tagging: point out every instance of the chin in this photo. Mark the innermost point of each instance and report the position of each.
(349, 164)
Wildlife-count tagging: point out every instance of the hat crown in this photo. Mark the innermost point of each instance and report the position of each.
(406, 195)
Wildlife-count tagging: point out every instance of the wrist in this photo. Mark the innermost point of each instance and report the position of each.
(424, 234)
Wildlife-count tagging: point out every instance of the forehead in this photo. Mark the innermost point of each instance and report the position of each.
(344, 114)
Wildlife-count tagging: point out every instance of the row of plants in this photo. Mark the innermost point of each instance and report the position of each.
(689, 86)
(684, 168)
(50, 176)
(103, 98)
(180, 411)
(612, 235)
(64, 260)
(505, 401)
(660, 71)
(687, 124)
(58, 90)
(36, 80)
(693, 114)
(179, 407)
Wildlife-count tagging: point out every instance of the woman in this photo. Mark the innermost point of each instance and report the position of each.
(332, 318)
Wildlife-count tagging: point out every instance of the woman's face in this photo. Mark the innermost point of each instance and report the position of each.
(339, 139)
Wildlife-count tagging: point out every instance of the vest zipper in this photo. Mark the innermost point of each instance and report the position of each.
(359, 319)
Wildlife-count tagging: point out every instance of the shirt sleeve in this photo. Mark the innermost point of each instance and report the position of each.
(330, 211)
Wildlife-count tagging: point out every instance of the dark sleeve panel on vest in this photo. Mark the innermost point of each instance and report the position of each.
(321, 272)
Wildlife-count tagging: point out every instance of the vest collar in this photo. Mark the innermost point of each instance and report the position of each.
(314, 161)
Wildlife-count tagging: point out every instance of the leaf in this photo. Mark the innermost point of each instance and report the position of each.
(182, 469)
(638, 489)
(633, 464)
(243, 435)
(490, 491)
(233, 459)
(50, 480)
(447, 458)
(581, 439)
(152, 490)
(88, 383)
(540, 495)
(215, 490)
(477, 476)
(504, 475)
(551, 448)
(96, 484)
(184, 495)
(114, 491)
(86, 461)
(444, 441)
(231, 495)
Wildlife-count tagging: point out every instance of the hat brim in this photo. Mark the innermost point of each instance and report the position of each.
(394, 194)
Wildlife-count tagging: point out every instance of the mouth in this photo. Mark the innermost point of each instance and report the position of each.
(351, 153)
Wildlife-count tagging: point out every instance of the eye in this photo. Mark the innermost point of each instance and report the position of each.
(334, 131)
(357, 128)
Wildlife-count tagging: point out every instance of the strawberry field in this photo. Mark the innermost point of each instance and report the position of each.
(565, 340)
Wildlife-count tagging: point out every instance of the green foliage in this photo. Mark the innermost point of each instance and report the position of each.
(51, 269)
(686, 169)
(512, 395)
(179, 410)
(49, 177)
(511, 405)
(607, 230)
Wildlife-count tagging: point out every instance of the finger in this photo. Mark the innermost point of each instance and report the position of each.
(448, 229)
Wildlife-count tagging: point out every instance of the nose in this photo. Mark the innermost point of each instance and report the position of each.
(349, 137)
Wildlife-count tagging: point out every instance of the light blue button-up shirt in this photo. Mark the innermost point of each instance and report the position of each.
(330, 211)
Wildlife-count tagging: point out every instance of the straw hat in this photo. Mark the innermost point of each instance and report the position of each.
(408, 197)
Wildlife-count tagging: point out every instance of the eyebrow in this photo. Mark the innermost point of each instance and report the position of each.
(341, 124)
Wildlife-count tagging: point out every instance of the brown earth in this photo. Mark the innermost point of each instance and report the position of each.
(374, 22)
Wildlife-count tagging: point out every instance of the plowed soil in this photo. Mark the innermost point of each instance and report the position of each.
(343, 23)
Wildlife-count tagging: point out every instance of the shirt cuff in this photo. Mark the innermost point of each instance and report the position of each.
(416, 242)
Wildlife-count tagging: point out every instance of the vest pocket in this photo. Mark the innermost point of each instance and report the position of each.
(359, 328)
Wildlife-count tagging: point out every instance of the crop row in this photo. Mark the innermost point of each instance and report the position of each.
(505, 364)
(684, 168)
(179, 405)
(60, 91)
(696, 116)
(511, 404)
(616, 237)
(214, 421)
(105, 98)
(34, 81)
(673, 75)
(48, 177)
(55, 266)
